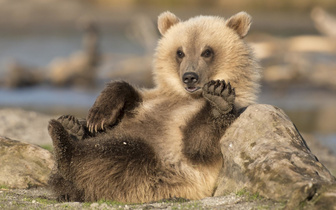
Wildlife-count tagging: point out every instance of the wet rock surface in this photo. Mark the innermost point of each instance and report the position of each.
(265, 154)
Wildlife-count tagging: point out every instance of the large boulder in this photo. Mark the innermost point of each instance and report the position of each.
(23, 165)
(264, 153)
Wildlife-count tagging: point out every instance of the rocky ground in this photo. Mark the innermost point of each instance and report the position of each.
(41, 198)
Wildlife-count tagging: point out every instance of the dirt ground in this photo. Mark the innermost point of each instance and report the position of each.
(41, 198)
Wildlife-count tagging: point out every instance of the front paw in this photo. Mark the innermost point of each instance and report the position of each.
(100, 116)
(113, 102)
(220, 95)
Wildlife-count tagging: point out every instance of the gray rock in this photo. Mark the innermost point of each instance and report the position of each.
(264, 153)
(23, 165)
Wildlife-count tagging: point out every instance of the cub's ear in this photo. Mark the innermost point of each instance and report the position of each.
(240, 23)
(166, 20)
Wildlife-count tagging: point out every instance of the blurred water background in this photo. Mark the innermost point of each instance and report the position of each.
(46, 45)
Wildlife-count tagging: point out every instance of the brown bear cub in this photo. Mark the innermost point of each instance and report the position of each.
(141, 145)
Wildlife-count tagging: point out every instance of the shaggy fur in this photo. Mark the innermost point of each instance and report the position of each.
(143, 145)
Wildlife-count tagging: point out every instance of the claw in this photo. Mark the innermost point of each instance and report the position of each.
(222, 87)
(229, 87)
(212, 86)
(217, 84)
(225, 92)
(102, 124)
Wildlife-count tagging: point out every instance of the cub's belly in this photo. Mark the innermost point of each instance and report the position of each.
(160, 124)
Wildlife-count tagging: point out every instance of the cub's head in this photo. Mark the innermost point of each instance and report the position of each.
(193, 52)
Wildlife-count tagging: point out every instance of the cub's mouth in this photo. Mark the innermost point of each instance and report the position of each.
(192, 89)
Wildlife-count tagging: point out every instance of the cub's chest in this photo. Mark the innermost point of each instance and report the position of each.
(169, 111)
(164, 122)
(159, 120)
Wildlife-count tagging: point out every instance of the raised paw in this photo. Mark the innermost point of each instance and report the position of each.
(100, 116)
(73, 126)
(63, 146)
(110, 106)
(220, 95)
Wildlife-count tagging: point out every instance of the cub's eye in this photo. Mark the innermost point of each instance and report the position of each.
(180, 54)
(207, 53)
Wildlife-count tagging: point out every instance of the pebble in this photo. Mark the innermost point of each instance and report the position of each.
(94, 205)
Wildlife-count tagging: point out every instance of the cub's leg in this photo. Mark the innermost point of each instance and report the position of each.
(203, 132)
(221, 97)
(63, 146)
(65, 132)
(64, 189)
(117, 99)
(60, 179)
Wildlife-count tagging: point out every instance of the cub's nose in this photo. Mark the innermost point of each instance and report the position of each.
(190, 78)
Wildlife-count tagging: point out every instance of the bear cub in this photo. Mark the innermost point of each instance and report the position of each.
(141, 145)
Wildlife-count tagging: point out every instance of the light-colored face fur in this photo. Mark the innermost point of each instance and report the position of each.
(210, 47)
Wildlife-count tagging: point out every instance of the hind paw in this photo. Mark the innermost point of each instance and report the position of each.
(220, 95)
(73, 126)
(62, 146)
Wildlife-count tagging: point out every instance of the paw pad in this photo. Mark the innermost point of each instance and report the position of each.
(72, 125)
(220, 94)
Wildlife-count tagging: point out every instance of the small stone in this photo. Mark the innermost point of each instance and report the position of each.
(76, 203)
(94, 205)
(103, 206)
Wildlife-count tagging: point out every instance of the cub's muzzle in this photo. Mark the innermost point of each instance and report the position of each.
(191, 80)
